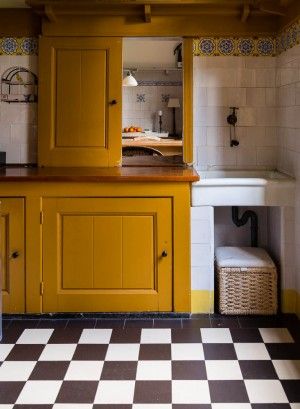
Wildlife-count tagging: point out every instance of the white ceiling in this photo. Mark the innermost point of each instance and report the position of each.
(12, 4)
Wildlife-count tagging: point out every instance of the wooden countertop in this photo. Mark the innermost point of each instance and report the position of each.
(118, 174)
(151, 142)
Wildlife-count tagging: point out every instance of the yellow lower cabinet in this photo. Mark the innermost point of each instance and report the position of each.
(12, 255)
(107, 254)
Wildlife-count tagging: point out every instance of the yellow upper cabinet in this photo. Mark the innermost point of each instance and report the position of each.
(80, 101)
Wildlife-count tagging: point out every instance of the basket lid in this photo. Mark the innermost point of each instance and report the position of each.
(243, 257)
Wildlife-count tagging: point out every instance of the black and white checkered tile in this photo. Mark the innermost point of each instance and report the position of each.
(150, 368)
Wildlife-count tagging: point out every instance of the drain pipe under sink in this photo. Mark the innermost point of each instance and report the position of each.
(248, 214)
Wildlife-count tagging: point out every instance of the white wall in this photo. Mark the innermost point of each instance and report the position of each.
(245, 82)
(149, 53)
(18, 136)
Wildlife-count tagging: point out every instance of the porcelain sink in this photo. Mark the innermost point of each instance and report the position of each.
(243, 188)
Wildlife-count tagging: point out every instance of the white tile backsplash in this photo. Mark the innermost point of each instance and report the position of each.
(245, 82)
(288, 100)
(18, 136)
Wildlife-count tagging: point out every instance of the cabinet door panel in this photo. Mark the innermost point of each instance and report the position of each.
(111, 254)
(108, 252)
(12, 268)
(79, 77)
(77, 251)
(81, 123)
(138, 258)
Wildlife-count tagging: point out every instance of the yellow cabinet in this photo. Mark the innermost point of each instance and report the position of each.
(80, 101)
(107, 254)
(12, 254)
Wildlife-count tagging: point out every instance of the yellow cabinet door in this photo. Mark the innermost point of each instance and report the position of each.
(12, 255)
(80, 86)
(107, 254)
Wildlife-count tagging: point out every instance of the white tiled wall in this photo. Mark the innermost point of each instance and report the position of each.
(288, 100)
(248, 83)
(202, 239)
(18, 121)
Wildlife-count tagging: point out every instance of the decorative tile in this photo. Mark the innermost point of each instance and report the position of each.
(226, 46)
(165, 97)
(245, 46)
(140, 97)
(206, 46)
(18, 46)
(265, 46)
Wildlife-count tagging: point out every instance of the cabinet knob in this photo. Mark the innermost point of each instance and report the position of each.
(113, 102)
(15, 254)
(164, 254)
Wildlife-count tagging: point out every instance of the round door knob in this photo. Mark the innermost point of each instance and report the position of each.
(113, 102)
(164, 253)
(15, 254)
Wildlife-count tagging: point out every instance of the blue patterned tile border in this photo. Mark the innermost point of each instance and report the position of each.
(248, 46)
(18, 46)
(288, 37)
(234, 46)
(154, 83)
(203, 46)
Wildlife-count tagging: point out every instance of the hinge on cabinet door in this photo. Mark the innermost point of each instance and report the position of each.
(41, 217)
(41, 288)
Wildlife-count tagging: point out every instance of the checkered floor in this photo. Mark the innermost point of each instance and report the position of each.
(150, 368)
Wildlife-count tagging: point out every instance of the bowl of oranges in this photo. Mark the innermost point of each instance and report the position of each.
(132, 129)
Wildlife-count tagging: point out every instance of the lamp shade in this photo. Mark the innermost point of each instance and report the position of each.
(173, 103)
(129, 80)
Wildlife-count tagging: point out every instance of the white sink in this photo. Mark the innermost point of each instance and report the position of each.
(243, 188)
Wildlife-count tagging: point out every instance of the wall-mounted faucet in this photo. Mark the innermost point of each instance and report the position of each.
(232, 120)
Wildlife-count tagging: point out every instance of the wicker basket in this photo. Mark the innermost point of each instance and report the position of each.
(247, 290)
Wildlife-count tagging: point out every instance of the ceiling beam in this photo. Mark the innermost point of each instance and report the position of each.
(286, 3)
(49, 13)
(245, 13)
